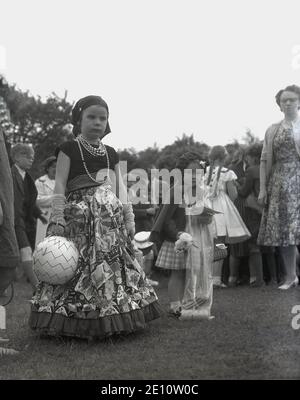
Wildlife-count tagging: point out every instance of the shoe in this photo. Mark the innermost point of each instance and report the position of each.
(287, 286)
(175, 310)
(175, 313)
(257, 284)
(220, 285)
(153, 283)
(6, 351)
(232, 284)
(272, 284)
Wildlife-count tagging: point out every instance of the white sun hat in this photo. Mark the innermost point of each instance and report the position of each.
(141, 240)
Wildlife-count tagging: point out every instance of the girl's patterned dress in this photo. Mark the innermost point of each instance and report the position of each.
(280, 224)
(110, 293)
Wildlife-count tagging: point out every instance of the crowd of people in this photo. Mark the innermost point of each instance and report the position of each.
(242, 227)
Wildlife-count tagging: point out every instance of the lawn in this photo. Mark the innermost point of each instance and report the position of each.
(251, 337)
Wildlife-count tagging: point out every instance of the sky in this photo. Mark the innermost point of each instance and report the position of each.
(165, 67)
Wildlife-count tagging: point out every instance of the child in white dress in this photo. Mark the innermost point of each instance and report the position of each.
(45, 187)
(222, 192)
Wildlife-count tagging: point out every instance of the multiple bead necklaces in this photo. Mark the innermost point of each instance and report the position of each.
(94, 151)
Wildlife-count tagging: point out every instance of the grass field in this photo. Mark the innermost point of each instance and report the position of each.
(251, 337)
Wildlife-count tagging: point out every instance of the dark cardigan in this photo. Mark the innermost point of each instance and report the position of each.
(170, 220)
(26, 210)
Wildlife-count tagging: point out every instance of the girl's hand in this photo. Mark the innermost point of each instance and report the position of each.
(151, 211)
(130, 228)
(185, 237)
(262, 197)
(205, 219)
(55, 230)
(184, 242)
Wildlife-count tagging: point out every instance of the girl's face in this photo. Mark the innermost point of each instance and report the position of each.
(93, 122)
(251, 161)
(193, 166)
(51, 171)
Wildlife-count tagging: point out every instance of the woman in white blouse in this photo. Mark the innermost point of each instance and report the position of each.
(45, 186)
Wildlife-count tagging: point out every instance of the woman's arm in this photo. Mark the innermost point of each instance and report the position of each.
(263, 172)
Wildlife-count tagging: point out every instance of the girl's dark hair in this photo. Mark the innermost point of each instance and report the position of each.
(217, 153)
(186, 159)
(254, 150)
(291, 88)
(49, 162)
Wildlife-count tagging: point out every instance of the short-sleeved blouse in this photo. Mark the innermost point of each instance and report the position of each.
(226, 175)
(94, 164)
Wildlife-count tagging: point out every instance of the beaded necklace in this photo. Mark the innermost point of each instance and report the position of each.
(84, 163)
(94, 151)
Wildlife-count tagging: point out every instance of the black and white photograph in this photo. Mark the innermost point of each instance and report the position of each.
(149, 193)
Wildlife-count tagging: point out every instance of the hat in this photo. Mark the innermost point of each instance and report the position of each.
(141, 240)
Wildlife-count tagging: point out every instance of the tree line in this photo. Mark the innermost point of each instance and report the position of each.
(45, 125)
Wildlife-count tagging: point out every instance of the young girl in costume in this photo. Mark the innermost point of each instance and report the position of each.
(109, 293)
(222, 191)
(190, 282)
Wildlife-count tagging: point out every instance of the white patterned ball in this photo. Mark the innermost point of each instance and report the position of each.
(55, 260)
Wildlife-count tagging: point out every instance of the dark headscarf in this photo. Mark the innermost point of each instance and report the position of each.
(81, 105)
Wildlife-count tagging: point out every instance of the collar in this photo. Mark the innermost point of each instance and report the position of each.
(21, 171)
(45, 179)
(295, 124)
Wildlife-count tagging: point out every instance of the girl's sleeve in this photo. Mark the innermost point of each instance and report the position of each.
(113, 156)
(66, 147)
(229, 176)
(43, 199)
(263, 162)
